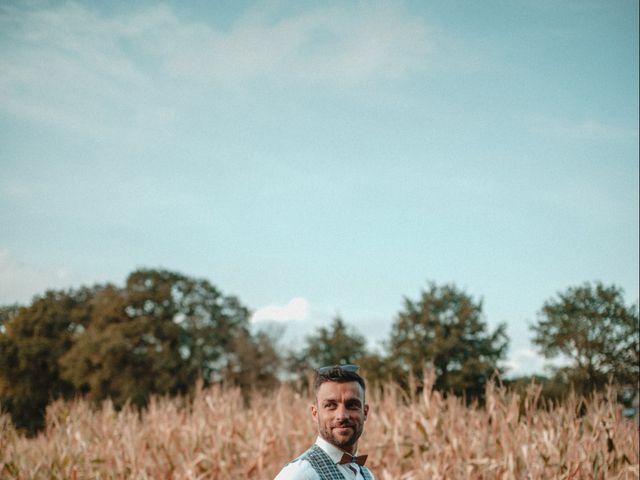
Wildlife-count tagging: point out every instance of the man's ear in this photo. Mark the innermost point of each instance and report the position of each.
(314, 411)
(366, 410)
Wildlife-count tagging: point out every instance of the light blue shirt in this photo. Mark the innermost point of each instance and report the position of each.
(302, 469)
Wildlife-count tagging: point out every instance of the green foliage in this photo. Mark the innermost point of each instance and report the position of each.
(445, 330)
(332, 345)
(552, 389)
(158, 334)
(32, 341)
(163, 331)
(337, 344)
(254, 362)
(376, 368)
(592, 327)
(7, 313)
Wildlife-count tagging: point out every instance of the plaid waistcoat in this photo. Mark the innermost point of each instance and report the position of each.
(324, 466)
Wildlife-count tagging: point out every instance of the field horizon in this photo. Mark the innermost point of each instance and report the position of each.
(216, 434)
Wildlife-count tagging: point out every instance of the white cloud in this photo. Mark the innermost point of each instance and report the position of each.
(345, 43)
(64, 66)
(591, 129)
(525, 362)
(582, 130)
(87, 72)
(296, 309)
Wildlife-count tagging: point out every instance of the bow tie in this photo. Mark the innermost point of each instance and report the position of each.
(346, 458)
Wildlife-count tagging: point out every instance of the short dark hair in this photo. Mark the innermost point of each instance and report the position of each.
(337, 373)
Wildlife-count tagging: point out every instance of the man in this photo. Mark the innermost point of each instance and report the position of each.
(340, 412)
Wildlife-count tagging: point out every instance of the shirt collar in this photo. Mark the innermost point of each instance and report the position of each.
(334, 452)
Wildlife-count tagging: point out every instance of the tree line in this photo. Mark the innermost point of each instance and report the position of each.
(162, 331)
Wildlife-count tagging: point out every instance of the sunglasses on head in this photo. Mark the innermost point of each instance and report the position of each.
(346, 368)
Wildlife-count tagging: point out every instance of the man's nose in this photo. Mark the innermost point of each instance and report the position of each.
(341, 412)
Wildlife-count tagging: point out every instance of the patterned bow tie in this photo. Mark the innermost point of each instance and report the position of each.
(346, 458)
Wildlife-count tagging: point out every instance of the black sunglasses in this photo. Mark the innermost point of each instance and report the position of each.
(346, 368)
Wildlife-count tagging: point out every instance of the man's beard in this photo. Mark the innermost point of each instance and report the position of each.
(341, 441)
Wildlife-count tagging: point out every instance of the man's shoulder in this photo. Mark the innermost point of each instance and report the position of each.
(299, 469)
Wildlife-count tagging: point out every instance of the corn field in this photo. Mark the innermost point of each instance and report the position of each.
(215, 435)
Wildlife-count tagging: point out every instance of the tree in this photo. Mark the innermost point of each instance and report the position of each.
(332, 345)
(7, 313)
(376, 368)
(32, 341)
(445, 329)
(155, 336)
(552, 389)
(337, 344)
(591, 326)
(254, 363)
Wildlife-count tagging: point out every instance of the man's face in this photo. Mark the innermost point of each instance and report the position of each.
(340, 412)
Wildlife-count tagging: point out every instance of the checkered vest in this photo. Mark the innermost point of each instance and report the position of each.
(324, 466)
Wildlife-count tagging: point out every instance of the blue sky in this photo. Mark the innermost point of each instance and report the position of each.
(323, 158)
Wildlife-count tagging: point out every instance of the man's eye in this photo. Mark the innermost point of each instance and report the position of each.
(330, 406)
